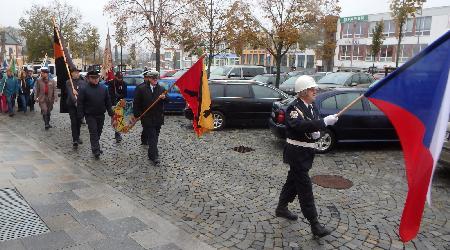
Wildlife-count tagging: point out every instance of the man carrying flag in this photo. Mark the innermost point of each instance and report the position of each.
(416, 98)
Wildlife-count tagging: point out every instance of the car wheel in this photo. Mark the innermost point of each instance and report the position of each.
(218, 120)
(326, 142)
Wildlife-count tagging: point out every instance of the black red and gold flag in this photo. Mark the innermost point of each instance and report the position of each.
(61, 58)
(194, 87)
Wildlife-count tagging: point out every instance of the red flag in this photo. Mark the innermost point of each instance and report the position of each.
(194, 87)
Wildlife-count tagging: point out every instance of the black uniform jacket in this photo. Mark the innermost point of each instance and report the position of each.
(77, 85)
(300, 123)
(143, 98)
(117, 90)
(93, 100)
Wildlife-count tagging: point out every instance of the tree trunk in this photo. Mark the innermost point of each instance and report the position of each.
(397, 54)
(278, 58)
(158, 55)
(121, 58)
(94, 56)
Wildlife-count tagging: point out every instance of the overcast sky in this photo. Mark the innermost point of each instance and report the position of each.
(92, 11)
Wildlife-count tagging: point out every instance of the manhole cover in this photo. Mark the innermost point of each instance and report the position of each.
(17, 219)
(332, 181)
(242, 149)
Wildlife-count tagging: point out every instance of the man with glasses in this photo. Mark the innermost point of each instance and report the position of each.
(92, 103)
(146, 94)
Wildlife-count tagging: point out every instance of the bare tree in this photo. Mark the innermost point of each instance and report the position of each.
(151, 19)
(283, 24)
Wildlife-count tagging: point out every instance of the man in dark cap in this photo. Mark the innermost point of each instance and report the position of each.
(72, 95)
(92, 103)
(145, 95)
(117, 90)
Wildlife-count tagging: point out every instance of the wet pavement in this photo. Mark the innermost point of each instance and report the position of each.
(226, 199)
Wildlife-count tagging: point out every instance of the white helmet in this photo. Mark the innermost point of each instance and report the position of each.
(304, 82)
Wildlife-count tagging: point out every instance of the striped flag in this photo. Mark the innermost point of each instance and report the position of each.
(107, 67)
(194, 87)
(416, 98)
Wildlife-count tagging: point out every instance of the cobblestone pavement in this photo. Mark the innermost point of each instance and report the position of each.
(227, 199)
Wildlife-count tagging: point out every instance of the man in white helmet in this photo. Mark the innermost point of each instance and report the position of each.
(303, 126)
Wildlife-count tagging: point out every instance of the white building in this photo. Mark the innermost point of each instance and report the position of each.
(355, 34)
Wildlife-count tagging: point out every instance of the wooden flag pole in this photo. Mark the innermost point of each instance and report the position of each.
(64, 56)
(349, 105)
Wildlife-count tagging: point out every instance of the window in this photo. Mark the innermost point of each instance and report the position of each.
(243, 59)
(236, 71)
(291, 60)
(416, 48)
(300, 61)
(284, 61)
(408, 27)
(255, 59)
(265, 92)
(248, 59)
(364, 79)
(217, 90)
(309, 61)
(343, 100)
(358, 52)
(389, 28)
(386, 53)
(251, 72)
(423, 26)
(329, 103)
(347, 30)
(269, 60)
(261, 59)
(371, 28)
(167, 56)
(355, 79)
(405, 52)
(238, 90)
(345, 51)
(369, 56)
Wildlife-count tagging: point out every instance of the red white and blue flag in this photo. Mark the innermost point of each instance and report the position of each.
(416, 99)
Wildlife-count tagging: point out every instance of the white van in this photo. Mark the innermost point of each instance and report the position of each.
(237, 72)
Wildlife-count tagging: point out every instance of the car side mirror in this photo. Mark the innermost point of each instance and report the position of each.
(354, 84)
(231, 75)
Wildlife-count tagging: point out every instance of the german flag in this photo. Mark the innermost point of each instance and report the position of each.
(61, 55)
(194, 87)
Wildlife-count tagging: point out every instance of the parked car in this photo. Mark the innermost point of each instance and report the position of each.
(346, 79)
(167, 73)
(240, 102)
(132, 81)
(133, 72)
(288, 85)
(270, 78)
(362, 122)
(237, 72)
(302, 71)
(319, 75)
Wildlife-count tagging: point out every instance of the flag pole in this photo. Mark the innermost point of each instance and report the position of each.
(349, 105)
(64, 56)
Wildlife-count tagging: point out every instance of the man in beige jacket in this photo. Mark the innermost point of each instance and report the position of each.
(45, 95)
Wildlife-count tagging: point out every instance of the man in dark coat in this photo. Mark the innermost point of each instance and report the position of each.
(302, 131)
(72, 95)
(92, 103)
(117, 90)
(145, 95)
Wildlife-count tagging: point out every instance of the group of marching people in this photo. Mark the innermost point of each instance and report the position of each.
(20, 88)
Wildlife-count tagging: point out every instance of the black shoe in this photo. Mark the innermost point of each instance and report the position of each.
(80, 141)
(319, 231)
(11, 115)
(157, 161)
(101, 151)
(97, 155)
(47, 127)
(75, 144)
(144, 143)
(118, 139)
(285, 213)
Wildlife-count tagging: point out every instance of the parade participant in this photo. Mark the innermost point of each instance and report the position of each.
(302, 131)
(45, 95)
(24, 91)
(146, 94)
(30, 82)
(10, 88)
(92, 103)
(117, 90)
(75, 121)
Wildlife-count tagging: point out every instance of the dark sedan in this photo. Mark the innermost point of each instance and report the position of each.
(270, 78)
(240, 102)
(362, 122)
(346, 79)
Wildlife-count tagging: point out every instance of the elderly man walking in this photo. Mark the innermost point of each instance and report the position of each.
(46, 96)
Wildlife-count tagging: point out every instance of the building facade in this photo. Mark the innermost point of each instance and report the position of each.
(355, 38)
(11, 48)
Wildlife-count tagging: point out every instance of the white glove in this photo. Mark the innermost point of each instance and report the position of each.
(315, 135)
(330, 120)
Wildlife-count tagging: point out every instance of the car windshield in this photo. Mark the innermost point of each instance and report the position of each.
(260, 78)
(290, 81)
(133, 80)
(335, 78)
(221, 71)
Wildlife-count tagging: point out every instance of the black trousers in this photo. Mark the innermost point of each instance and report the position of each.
(152, 133)
(75, 123)
(298, 182)
(95, 126)
(144, 137)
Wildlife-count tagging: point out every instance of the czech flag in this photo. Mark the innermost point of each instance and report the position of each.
(194, 87)
(416, 99)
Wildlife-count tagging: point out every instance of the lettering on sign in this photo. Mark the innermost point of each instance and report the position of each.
(354, 19)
